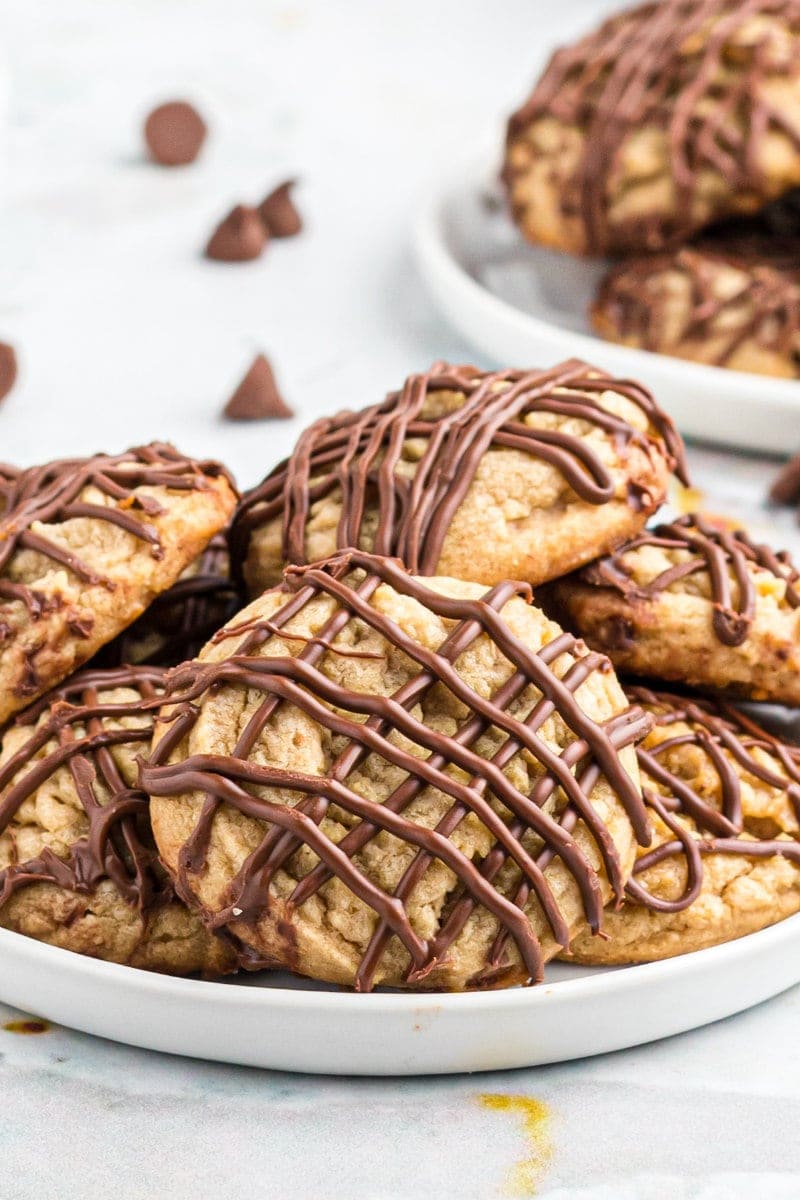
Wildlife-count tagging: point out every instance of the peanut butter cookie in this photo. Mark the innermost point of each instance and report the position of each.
(480, 475)
(696, 604)
(733, 301)
(371, 778)
(78, 866)
(725, 861)
(670, 116)
(85, 546)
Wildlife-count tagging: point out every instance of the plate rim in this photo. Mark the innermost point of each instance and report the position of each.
(437, 262)
(626, 978)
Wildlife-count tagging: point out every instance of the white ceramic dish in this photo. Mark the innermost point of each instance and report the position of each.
(521, 305)
(275, 1021)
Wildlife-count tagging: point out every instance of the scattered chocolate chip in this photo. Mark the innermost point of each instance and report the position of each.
(786, 487)
(174, 133)
(278, 212)
(239, 238)
(8, 369)
(257, 397)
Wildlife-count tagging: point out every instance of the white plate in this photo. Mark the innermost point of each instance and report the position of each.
(291, 1025)
(526, 306)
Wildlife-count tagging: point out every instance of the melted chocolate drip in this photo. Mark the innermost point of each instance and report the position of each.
(730, 742)
(640, 69)
(719, 552)
(78, 735)
(52, 493)
(356, 455)
(181, 620)
(362, 724)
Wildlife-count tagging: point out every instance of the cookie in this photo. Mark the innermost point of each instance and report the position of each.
(696, 604)
(85, 546)
(360, 779)
(731, 301)
(725, 860)
(180, 621)
(78, 865)
(666, 118)
(480, 475)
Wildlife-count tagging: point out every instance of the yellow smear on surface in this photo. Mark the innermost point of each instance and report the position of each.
(526, 1175)
(29, 1026)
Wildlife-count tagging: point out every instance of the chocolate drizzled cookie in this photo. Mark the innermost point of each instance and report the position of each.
(692, 602)
(373, 778)
(732, 300)
(725, 799)
(666, 118)
(85, 545)
(78, 866)
(482, 475)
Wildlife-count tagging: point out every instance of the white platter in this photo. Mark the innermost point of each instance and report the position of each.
(526, 306)
(275, 1021)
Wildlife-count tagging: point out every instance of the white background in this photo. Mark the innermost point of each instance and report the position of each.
(126, 334)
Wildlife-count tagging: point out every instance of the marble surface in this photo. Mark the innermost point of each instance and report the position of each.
(126, 334)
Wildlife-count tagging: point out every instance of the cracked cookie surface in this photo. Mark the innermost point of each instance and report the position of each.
(733, 301)
(668, 117)
(371, 778)
(78, 865)
(85, 546)
(696, 604)
(725, 858)
(481, 476)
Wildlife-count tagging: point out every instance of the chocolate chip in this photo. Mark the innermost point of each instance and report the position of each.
(278, 212)
(786, 487)
(8, 369)
(257, 397)
(174, 133)
(239, 237)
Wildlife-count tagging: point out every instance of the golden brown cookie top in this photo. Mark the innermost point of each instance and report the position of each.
(670, 115)
(86, 545)
(717, 784)
(694, 555)
(360, 744)
(71, 813)
(123, 491)
(392, 477)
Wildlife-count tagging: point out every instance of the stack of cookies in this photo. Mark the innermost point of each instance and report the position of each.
(669, 139)
(398, 764)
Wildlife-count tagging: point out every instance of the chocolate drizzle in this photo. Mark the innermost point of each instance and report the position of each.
(361, 723)
(718, 552)
(358, 456)
(633, 304)
(53, 493)
(731, 743)
(668, 65)
(80, 728)
(181, 620)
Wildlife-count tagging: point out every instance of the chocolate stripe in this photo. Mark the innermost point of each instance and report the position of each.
(300, 682)
(359, 456)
